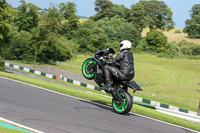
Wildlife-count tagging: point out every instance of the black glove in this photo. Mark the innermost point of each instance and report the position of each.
(109, 61)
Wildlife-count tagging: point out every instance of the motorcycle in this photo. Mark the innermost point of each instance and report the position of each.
(93, 68)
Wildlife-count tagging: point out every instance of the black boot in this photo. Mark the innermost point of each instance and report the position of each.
(108, 86)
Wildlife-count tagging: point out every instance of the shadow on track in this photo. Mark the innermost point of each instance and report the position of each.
(100, 104)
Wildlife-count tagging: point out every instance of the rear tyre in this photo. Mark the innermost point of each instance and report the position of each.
(124, 107)
(89, 69)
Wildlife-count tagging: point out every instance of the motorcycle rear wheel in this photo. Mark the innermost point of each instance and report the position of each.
(124, 107)
(89, 69)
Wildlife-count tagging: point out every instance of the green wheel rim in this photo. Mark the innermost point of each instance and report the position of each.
(123, 106)
(85, 71)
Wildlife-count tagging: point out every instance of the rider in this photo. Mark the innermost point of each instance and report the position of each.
(126, 61)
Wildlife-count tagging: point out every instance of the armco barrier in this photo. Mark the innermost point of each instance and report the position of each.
(135, 98)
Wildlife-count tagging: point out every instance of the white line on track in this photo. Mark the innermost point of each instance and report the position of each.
(20, 126)
(99, 104)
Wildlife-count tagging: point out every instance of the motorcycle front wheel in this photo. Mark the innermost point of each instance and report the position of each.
(125, 106)
(89, 69)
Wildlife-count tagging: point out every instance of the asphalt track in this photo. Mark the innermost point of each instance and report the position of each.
(55, 113)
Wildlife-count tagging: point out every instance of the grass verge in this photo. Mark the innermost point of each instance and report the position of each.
(6, 130)
(103, 100)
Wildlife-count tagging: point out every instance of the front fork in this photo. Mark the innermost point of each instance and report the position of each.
(117, 97)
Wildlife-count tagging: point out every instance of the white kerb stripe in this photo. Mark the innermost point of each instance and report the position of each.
(7, 64)
(90, 86)
(49, 75)
(37, 72)
(137, 99)
(76, 82)
(193, 113)
(26, 69)
(16, 66)
(153, 103)
(65, 79)
(173, 108)
(157, 104)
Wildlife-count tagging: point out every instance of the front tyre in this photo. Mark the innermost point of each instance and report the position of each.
(125, 106)
(89, 69)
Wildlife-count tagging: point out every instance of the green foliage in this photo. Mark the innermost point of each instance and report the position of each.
(53, 49)
(193, 27)
(157, 39)
(195, 10)
(71, 25)
(152, 13)
(21, 48)
(43, 43)
(98, 38)
(68, 10)
(91, 37)
(118, 29)
(104, 8)
(181, 49)
(58, 34)
(5, 22)
(121, 11)
(27, 16)
(193, 24)
(178, 31)
(49, 47)
(171, 51)
(52, 21)
(1, 64)
(142, 46)
(70, 28)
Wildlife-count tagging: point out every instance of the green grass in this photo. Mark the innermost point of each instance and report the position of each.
(75, 64)
(107, 101)
(6, 130)
(170, 81)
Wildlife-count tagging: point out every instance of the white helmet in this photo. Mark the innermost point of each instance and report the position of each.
(125, 45)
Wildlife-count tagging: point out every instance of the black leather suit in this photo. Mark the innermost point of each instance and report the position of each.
(126, 71)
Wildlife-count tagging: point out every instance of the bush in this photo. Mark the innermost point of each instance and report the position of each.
(142, 46)
(21, 48)
(185, 47)
(178, 31)
(196, 50)
(181, 49)
(172, 50)
(1, 64)
(157, 40)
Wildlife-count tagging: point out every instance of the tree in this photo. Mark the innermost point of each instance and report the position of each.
(52, 21)
(47, 40)
(193, 24)
(195, 10)
(5, 19)
(68, 10)
(21, 48)
(91, 37)
(104, 8)
(118, 29)
(156, 39)
(121, 11)
(153, 13)
(70, 26)
(5, 24)
(27, 16)
(1, 64)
